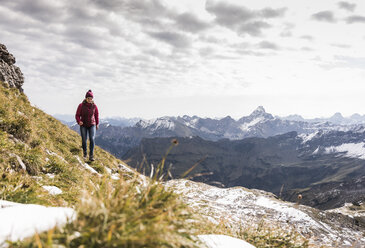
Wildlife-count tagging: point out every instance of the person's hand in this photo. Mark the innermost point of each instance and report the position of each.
(97, 127)
(81, 123)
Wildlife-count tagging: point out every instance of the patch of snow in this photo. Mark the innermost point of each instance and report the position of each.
(206, 130)
(21, 113)
(114, 176)
(87, 167)
(19, 221)
(53, 190)
(315, 151)
(347, 209)
(223, 241)
(286, 212)
(144, 124)
(163, 123)
(21, 162)
(352, 150)
(191, 123)
(308, 137)
(6, 204)
(246, 208)
(246, 126)
(55, 154)
(50, 175)
(125, 168)
(159, 123)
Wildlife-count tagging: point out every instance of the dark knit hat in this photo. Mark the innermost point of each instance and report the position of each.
(89, 94)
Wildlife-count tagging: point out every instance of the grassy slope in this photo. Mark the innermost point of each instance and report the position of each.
(111, 213)
(35, 137)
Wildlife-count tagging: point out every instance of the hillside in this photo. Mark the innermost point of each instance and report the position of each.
(257, 211)
(44, 182)
(41, 151)
(324, 168)
(40, 163)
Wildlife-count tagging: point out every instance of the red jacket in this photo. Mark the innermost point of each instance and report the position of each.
(87, 113)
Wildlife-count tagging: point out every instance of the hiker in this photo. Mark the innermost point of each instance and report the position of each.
(87, 116)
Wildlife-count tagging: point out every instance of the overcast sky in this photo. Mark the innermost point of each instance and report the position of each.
(151, 58)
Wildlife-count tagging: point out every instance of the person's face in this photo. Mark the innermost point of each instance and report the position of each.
(89, 99)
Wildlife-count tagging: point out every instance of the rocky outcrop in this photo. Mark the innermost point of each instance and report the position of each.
(10, 74)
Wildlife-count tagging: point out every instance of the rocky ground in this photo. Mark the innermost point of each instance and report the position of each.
(241, 207)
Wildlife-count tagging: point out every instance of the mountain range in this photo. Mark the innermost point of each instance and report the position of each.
(319, 159)
(118, 138)
(326, 167)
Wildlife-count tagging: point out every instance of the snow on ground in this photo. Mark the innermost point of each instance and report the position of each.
(246, 126)
(114, 176)
(50, 175)
(19, 221)
(348, 209)
(163, 123)
(53, 190)
(206, 130)
(154, 124)
(352, 150)
(191, 123)
(243, 207)
(127, 170)
(56, 155)
(316, 151)
(285, 212)
(223, 241)
(86, 166)
(307, 137)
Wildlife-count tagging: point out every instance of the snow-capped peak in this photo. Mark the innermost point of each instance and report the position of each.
(259, 110)
(159, 123)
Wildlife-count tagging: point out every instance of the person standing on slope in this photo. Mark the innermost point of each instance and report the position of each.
(87, 116)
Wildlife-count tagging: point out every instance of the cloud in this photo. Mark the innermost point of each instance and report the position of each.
(307, 49)
(273, 13)
(253, 28)
(42, 10)
(176, 40)
(268, 45)
(241, 19)
(355, 19)
(341, 45)
(307, 37)
(350, 62)
(229, 15)
(191, 23)
(88, 37)
(286, 33)
(347, 6)
(325, 16)
(287, 29)
(136, 8)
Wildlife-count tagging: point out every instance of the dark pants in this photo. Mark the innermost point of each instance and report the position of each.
(91, 132)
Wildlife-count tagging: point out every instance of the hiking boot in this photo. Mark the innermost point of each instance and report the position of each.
(92, 158)
(85, 156)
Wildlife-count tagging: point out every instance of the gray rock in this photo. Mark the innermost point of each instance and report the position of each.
(10, 74)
